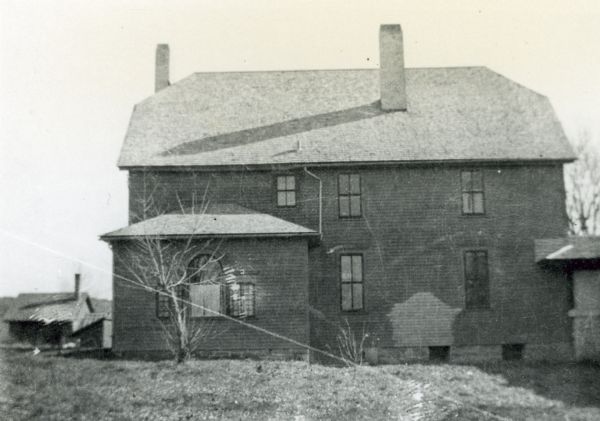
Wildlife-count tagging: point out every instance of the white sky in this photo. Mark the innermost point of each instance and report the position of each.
(71, 72)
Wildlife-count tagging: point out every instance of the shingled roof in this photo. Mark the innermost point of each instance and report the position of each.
(218, 221)
(333, 116)
(49, 307)
(569, 248)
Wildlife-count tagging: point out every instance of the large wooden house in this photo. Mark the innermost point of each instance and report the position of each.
(403, 201)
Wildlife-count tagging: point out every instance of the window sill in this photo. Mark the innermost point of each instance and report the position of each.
(354, 312)
(222, 317)
(478, 310)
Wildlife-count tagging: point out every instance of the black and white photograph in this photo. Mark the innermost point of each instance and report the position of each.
(299, 210)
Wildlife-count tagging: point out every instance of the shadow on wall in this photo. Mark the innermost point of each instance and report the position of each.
(422, 319)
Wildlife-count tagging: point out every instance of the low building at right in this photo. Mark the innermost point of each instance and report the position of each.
(579, 257)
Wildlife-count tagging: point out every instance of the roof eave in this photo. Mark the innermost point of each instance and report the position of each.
(111, 238)
(274, 165)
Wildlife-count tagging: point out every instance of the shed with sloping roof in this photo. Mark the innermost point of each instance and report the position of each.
(580, 257)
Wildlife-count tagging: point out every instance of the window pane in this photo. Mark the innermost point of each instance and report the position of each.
(346, 268)
(357, 268)
(477, 180)
(281, 198)
(470, 266)
(163, 303)
(204, 269)
(280, 183)
(291, 198)
(482, 269)
(477, 202)
(466, 184)
(467, 205)
(205, 299)
(346, 296)
(354, 205)
(355, 184)
(291, 182)
(344, 184)
(357, 290)
(248, 299)
(344, 206)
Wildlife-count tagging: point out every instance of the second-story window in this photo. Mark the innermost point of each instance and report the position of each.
(472, 192)
(286, 191)
(349, 192)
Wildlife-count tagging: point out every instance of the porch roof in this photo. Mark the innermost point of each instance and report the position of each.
(229, 221)
(568, 248)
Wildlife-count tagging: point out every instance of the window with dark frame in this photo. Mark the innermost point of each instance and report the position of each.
(351, 279)
(241, 299)
(477, 290)
(205, 286)
(349, 195)
(472, 192)
(164, 305)
(286, 191)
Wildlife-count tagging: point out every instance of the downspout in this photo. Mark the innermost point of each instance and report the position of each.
(320, 201)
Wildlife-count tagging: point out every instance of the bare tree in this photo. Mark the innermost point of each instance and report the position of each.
(582, 179)
(177, 269)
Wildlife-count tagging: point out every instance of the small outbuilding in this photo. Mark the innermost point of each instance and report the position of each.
(47, 319)
(96, 332)
(580, 258)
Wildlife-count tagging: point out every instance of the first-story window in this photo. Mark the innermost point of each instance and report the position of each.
(207, 293)
(351, 277)
(286, 191)
(163, 305)
(477, 289)
(241, 299)
(205, 286)
(164, 302)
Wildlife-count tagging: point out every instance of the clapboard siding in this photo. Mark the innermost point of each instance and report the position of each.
(412, 236)
(279, 271)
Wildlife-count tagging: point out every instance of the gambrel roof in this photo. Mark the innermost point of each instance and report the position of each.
(334, 116)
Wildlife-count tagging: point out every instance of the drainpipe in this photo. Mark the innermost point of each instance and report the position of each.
(320, 201)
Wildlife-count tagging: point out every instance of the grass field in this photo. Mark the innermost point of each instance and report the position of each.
(57, 388)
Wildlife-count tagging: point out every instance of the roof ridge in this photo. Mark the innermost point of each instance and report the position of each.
(353, 69)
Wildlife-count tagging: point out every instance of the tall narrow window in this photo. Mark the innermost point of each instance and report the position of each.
(241, 299)
(477, 290)
(351, 276)
(472, 192)
(164, 302)
(206, 289)
(286, 191)
(349, 192)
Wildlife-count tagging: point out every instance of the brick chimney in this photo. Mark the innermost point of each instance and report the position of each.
(77, 285)
(391, 71)
(161, 77)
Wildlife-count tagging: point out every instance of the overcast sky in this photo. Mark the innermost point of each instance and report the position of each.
(71, 72)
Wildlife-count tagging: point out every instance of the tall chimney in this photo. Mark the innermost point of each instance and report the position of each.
(391, 71)
(161, 77)
(77, 285)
